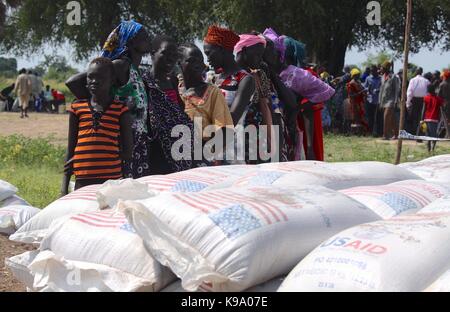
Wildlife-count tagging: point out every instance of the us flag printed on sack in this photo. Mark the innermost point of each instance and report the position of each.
(104, 219)
(86, 193)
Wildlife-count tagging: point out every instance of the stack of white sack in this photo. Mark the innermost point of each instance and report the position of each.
(97, 197)
(435, 169)
(400, 198)
(198, 179)
(403, 254)
(336, 176)
(94, 251)
(440, 206)
(14, 211)
(6, 190)
(80, 201)
(236, 238)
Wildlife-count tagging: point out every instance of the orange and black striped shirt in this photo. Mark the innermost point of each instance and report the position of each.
(97, 153)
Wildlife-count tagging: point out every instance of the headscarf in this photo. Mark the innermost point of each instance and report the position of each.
(446, 74)
(223, 37)
(295, 50)
(387, 65)
(354, 72)
(278, 42)
(325, 75)
(116, 44)
(248, 41)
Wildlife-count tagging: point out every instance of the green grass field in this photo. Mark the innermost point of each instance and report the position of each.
(34, 166)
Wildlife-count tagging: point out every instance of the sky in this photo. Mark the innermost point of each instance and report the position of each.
(430, 60)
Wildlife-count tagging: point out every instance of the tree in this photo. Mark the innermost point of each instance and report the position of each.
(327, 27)
(44, 22)
(378, 59)
(56, 67)
(4, 5)
(8, 65)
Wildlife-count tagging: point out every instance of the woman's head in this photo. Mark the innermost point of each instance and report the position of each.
(275, 52)
(218, 46)
(271, 56)
(250, 51)
(164, 55)
(191, 62)
(129, 37)
(295, 52)
(215, 55)
(355, 73)
(141, 43)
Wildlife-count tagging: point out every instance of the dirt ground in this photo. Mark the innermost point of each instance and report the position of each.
(9, 249)
(38, 125)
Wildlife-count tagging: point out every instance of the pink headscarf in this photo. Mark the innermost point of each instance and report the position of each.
(248, 41)
(278, 41)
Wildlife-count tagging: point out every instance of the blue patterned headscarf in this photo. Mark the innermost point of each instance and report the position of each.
(295, 50)
(116, 44)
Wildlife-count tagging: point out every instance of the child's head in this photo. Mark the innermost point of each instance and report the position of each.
(432, 89)
(47, 87)
(191, 62)
(100, 76)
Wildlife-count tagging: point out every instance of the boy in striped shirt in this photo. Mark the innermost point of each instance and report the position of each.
(100, 135)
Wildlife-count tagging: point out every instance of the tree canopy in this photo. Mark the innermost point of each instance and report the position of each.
(8, 65)
(328, 27)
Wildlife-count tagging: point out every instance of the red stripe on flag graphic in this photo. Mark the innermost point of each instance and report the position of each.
(111, 220)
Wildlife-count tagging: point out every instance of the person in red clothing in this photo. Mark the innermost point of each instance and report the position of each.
(432, 114)
(318, 127)
(357, 96)
(58, 99)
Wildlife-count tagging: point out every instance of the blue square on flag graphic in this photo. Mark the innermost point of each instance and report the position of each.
(265, 178)
(186, 186)
(398, 202)
(235, 221)
(127, 227)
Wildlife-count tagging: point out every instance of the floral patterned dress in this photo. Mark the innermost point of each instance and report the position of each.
(134, 94)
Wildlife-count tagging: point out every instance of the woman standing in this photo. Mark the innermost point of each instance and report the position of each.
(204, 103)
(125, 46)
(236, 84)
(265, 147)
(164, 58)
(357, 98)
(311, 92)
(166, 108)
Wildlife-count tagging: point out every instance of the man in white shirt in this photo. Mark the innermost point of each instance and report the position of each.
(417, 90)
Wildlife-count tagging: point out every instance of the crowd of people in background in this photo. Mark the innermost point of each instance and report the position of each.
(368, 103)
(28, 94)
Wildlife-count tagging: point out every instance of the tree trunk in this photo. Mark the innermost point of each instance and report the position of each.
(2, 17)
